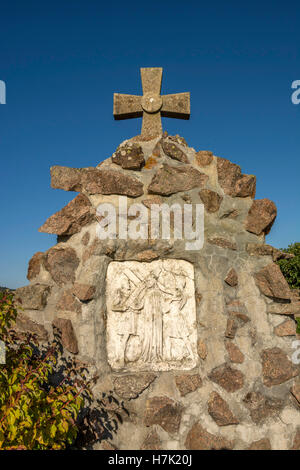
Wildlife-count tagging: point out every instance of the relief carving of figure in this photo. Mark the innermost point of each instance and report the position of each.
(152, 328)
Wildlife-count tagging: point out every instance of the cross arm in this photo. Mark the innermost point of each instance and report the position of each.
(127, 106)
(176, 106)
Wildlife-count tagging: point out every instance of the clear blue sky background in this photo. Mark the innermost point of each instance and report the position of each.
(63, 60)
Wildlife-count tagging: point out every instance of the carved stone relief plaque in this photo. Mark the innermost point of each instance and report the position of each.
(151, 315)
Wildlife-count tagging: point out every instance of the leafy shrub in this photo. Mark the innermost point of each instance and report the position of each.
(298, 325)
(35, 411)
(290, 268)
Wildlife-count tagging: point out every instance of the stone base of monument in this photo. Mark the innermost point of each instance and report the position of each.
(197, 343)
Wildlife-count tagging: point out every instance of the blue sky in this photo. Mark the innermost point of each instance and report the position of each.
(63, 60)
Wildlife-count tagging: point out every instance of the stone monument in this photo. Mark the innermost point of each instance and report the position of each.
(199, 343)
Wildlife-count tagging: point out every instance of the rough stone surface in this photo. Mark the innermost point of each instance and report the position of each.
(272, 283)
(61, 264)
(156, 152)
(239, 317)
(23, 323)
(220, 411)
(172, 150)
(277, 368)
(204, 157)
(169, 180)
(296, 442)
(262, 407)
(261, 216)
(262, 444)
(152, 442)
(231, 278)
(258, 249)
(84, 292)
(286, 328)
(230, 214)
(34, 265)
(147, 255)
(129, 157)
(235, 354)
(228, 378)
(165, 412)
(228, 174)
(295, 391)
(211, 200)
(111, 182)
(68, 337)
(85, 239)
(188, 383)
(231, 328)
(278, 254)
(151, 162)
(131, 386)
(167, 311)
(71, 218)
(95, 181)
(232, 181)
(152, 200)
(68, 302)
(234, 304)
(223, 243)
(65, 178)
(291, 308)
(200, 439)
(202, 349)
(106, 445)
(33, 296)
(245, 186)
(175, 138)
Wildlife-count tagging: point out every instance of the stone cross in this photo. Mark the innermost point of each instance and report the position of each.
(151, 106)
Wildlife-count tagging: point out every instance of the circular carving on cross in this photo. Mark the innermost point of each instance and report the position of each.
(151, 102)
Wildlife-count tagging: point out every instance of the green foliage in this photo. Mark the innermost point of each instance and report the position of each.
(35, 414)
(8, 314)
(298, 326)
(291, 267)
